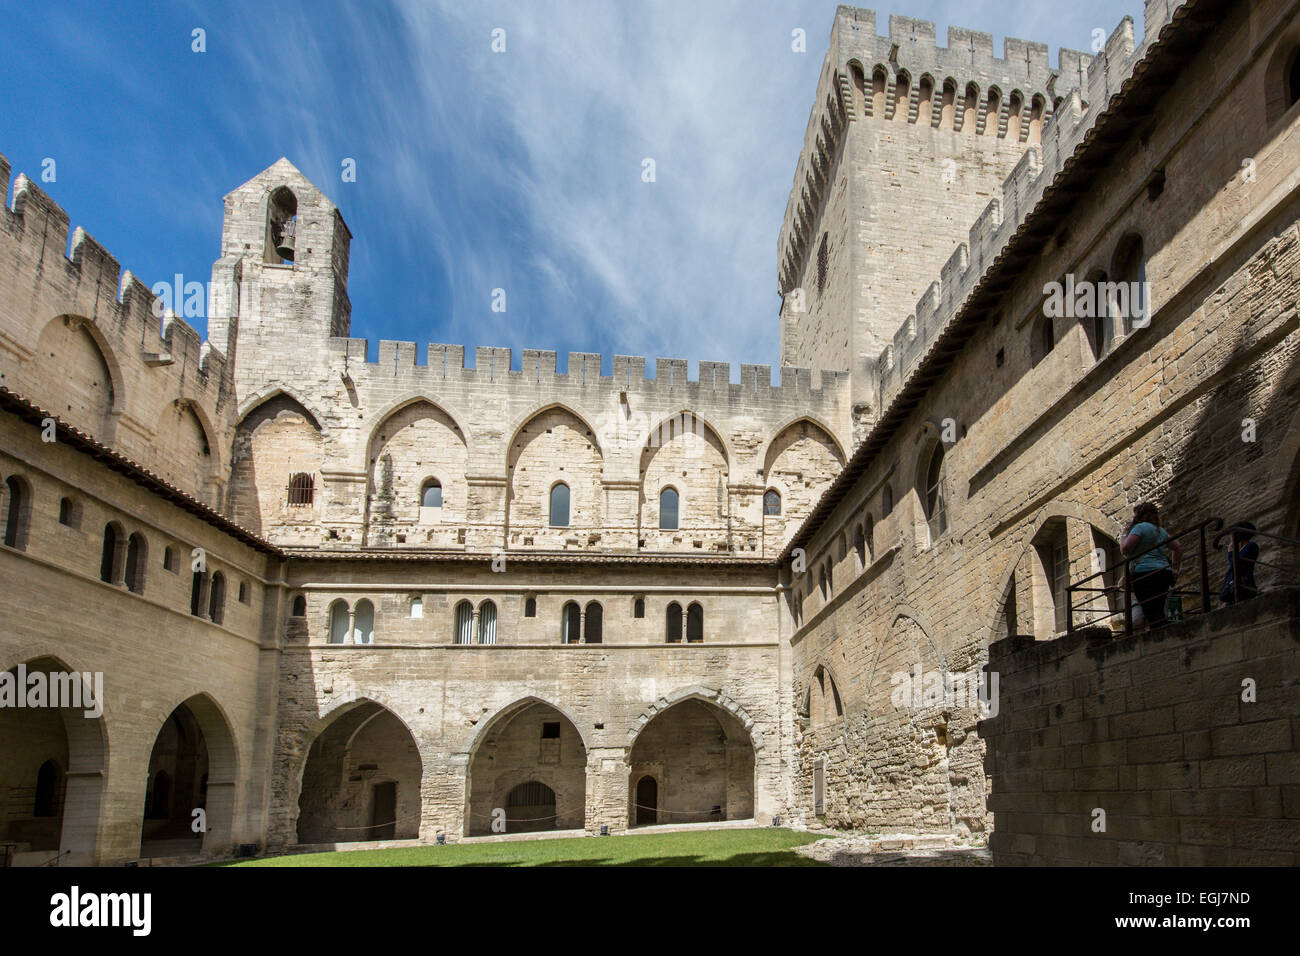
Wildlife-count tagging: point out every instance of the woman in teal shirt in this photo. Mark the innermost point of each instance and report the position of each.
(1153, 574)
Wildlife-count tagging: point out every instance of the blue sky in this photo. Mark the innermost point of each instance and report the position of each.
(475, 170)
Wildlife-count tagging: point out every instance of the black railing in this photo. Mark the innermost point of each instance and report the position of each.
(1109, 591)
(1116, 594)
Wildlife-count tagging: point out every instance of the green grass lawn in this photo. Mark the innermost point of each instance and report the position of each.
(768, 846)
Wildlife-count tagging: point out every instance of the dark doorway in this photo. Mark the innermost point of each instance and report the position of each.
(383, 811)
(530, 807)
(647, 801)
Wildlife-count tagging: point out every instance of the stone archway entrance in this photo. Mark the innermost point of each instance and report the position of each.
(190, 792)
(527, 772)
(361, 781)
(700, 760)
(53, 762)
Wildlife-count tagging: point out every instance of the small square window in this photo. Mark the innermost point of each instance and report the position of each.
(550, 730)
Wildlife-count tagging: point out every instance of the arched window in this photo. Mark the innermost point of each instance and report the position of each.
(137, 552)
(170, 560)
(108, 561)
(695, 623)
(595, 624)
(217, 599)
(886, 501)
(772, 502)
(487, 623)
(823, 583)
(668, 517)
(673, 623)
(860, 546)
(936, 508)
(199, 593)
(1044, 338)
(48, 779)
(302, 489)
(1131, 291)
(638, 607)
(17, 512)
(417, 607)
(363, 623)
(841, 547)
(530, 607)
(299, 606)
(431, 494)
(1099, 326)
(339, 622)
(571, 624)
(68, 513)
(464, 623)
(869, 533)
(560, 506)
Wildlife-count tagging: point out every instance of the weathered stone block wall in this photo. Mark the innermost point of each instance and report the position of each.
(153, 654)
(1187, 739)
(1197, 411)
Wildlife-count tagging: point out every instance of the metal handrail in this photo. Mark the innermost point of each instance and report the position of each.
(1202, 585)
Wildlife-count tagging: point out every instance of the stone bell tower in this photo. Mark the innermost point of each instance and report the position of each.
(280, 286)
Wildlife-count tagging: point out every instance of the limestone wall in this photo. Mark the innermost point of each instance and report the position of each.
(1171, 748)
(1045, 455)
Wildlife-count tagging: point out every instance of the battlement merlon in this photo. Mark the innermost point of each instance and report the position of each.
(99, 283)
(493, 364)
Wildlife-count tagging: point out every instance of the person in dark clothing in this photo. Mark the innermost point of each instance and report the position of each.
(1156, 569)
(1239, 582)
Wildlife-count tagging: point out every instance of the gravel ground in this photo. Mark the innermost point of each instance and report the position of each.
(897, 850)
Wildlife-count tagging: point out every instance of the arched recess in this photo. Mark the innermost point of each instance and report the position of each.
(907, 716)
(88, 390)
(275, 440)
(802, 458)
(70, 828)
(189, 454)
(822, 703)
(688, 454)
(193, 765)
(526, 746)
(415, 442)
(702, 759)
(361, 778)
(552, 445)
(1088, 530)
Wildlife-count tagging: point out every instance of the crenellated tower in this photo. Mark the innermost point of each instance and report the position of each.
(280, 286)
(906, 143)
